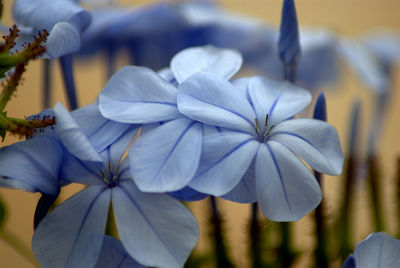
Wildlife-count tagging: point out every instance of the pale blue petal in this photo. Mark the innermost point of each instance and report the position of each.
(45, 14)
(72, 137)
(114, 255)
(225, 159)
(245, 190)
(155, 229)
(63, 39)
(385, 44)
(315, 141)
(72, 234)
(219, 61)
(210, 99)
(286, 189)
(168, 76)
(166, 158)
(378, 250)
(138, 95)
(100, 132)
(365, 64)
(279, 99)
(32, 165)
(242, 84)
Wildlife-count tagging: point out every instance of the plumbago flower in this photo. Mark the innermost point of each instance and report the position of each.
(260, 135)
(166, 157)
(156, 230)
(64, 20)
(378, 250)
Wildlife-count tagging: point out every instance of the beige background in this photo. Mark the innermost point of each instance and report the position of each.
(345, 17)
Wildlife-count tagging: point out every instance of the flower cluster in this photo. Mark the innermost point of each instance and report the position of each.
(201, 134)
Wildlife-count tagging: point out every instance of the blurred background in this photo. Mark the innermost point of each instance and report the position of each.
(346, 18)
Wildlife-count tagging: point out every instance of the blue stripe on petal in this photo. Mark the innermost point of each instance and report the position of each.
(155, 229)
(286, 189)
(72, 234)
(166, 158)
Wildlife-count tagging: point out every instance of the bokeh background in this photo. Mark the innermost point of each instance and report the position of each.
(348, 18)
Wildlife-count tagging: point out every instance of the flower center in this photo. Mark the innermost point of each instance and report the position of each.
(110, 175)
(263, 131)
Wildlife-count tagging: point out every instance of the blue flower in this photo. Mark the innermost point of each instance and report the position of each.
(259, 132)
(166, 157)
(64, 20)
(155, 229)
(378, 250)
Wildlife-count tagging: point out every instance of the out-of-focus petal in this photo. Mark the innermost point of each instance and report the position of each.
(63, 39)
(155, 229)
(315, 141)
(188, 194)
(378, 250)
(72, 234)
(225, 159)
(138, 95)
(221, 62)
(166, 158)
(210, 99)
(286, 189)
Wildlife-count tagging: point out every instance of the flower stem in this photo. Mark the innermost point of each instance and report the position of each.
(321, 254)
(46, 83)
(221, 252)
(255, 234)
(69, 83)
(374, 175)
(15, 242)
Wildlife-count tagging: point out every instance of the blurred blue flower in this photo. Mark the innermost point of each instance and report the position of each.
(166, 157)
(156, 230)
(378, 250)
(64, 20)
(259, 132)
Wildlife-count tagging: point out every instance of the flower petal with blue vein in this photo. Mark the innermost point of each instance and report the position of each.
(166, 158)
(286, 189)
(221, 62)
(378, 250)
(72, 234)
(155, 229)
(138, 95)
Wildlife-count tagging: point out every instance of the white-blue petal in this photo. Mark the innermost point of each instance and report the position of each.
(166, 158)
(378, 250)
(315, 141)
(286, 189)
(213, 100)
(155, 229)
(72, 234)
(63, 39)
(225, 159)
(72, 136)
(279, 99)
(219, 61)
(138, 95)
